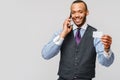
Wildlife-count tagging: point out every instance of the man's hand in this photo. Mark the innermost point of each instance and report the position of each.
(107, 41)
(66, 28)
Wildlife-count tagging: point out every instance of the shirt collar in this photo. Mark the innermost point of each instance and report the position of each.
(84, 26)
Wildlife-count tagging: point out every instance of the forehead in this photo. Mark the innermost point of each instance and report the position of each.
(78, 6)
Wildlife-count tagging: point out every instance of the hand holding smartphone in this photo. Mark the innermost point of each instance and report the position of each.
(67, 27)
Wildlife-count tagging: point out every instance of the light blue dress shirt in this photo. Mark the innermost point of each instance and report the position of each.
(52, 48)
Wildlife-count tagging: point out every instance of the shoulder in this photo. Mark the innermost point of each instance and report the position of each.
(92, 28)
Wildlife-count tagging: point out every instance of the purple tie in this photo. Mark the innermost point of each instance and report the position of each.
(78, 36)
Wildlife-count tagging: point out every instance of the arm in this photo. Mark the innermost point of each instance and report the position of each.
(53, 47)
(104, 53)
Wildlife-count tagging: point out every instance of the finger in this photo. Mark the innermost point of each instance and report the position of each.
(106, 46)
(106, 41)
(66, 22)
(106, 36)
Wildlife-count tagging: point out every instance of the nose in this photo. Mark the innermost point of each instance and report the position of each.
(77, 15)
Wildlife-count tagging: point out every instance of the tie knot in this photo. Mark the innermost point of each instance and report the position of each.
(78, 32)
(78, 28)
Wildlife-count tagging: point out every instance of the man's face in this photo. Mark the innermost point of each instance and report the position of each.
(78, 13)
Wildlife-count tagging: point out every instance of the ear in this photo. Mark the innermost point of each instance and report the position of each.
(87, 13)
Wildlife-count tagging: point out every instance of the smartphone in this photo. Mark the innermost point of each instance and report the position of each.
(71, 22)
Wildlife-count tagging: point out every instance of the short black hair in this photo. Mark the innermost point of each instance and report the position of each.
(80, 1)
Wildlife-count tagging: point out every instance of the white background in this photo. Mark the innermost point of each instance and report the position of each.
(27, 25)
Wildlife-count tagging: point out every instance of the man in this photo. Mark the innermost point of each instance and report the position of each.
(77, 46)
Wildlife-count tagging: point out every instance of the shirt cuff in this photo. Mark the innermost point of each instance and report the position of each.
(58, 41)
(107, 54)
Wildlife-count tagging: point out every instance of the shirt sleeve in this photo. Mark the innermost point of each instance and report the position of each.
(52, 48)
(104, 58)
(108, 54)
(58, 41)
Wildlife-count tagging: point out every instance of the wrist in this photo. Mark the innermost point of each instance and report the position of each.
(107, 49)
(63, 34)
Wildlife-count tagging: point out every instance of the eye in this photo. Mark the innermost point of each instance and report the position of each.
(73, 12)
(80, 11)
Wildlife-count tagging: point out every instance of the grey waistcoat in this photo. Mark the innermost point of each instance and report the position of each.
(78, 60)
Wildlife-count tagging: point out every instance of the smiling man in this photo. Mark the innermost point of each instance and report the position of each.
(78, 48)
